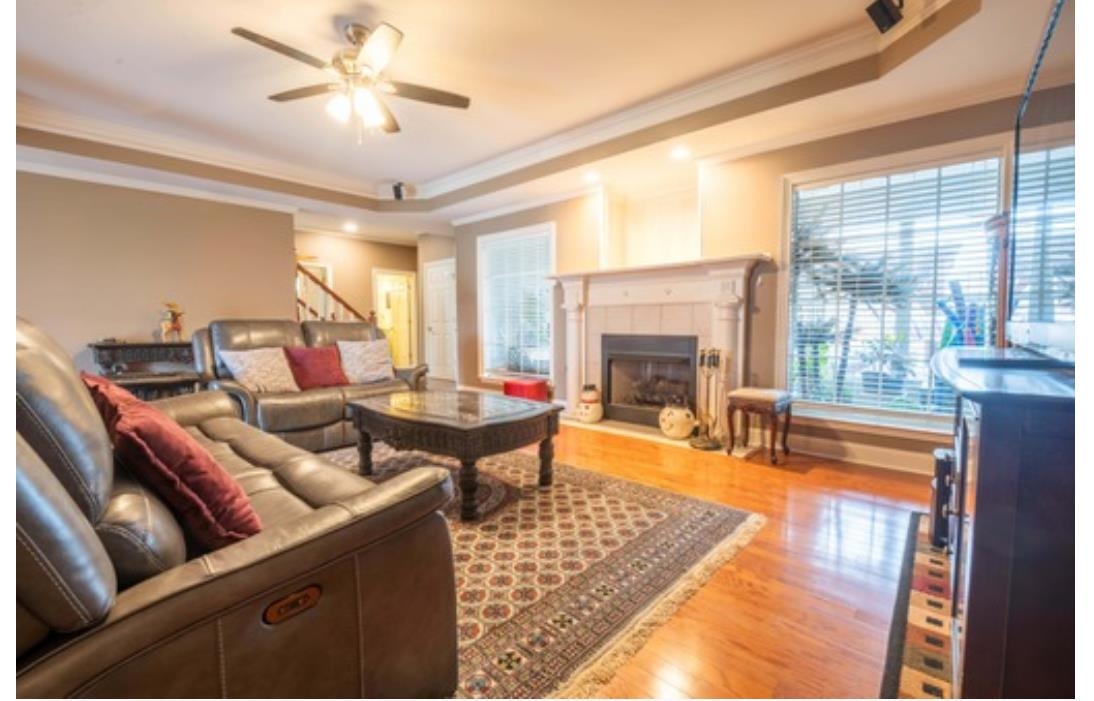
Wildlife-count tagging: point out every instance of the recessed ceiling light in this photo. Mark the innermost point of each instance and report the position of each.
(350, 227)
(680, 153)
(592, 177)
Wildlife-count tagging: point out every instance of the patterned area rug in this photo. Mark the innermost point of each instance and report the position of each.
(558, 586)
(918, 664)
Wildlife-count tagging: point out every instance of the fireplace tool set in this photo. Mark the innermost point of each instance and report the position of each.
(710, 393)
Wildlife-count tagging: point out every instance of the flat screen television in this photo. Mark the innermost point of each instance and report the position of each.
(1041, 286)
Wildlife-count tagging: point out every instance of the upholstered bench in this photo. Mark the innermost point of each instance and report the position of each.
(769, 403)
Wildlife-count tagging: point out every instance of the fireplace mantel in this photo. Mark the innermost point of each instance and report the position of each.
(710, 292)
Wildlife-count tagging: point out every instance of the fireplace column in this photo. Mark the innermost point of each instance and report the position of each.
(573, 302)
(727, 328)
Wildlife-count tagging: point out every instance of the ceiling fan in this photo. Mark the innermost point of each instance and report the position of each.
(359, 73)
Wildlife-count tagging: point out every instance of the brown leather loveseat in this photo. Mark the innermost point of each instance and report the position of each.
(313, 419)
(347, 591)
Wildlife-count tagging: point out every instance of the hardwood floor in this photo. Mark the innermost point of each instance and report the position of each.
(804, 609)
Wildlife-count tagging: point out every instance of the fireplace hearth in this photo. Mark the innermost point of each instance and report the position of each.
(644, 373)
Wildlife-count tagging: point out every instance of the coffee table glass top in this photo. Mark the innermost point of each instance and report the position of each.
(454, 408)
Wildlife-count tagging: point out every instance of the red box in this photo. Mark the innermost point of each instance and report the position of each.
(527, 389)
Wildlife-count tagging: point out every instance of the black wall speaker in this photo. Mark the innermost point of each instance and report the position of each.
(885, 13)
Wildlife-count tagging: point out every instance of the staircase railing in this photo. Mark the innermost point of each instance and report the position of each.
(308, 286)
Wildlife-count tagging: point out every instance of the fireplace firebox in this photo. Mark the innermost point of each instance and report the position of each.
(642, 374)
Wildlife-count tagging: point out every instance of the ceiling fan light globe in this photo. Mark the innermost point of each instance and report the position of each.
(339, 108)
(367, 108)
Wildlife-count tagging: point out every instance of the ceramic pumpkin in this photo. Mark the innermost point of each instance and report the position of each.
(677, 421)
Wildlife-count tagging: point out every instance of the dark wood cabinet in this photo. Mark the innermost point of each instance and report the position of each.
(148, 370)
(1012, 524)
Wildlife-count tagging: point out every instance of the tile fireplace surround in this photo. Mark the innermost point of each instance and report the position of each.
(707, 299)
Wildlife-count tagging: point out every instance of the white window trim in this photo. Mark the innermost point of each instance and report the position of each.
(480, 243)
(995, 146)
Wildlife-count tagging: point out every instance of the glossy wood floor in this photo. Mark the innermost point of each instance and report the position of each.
(804, 609)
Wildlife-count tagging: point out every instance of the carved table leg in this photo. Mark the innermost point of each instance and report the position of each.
(546, 455)
(364, 453)
(469, 484)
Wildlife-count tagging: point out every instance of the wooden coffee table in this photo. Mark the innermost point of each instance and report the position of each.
(463, 425)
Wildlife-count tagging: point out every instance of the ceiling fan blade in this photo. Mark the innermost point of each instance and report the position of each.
(309, 91)
(390, 125)
(423, 94)
(377, 50)
(280, 48)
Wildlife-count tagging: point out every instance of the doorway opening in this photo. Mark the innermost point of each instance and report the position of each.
(395, 300)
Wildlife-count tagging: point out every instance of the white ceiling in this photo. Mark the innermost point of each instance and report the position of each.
(533, 69)
(538, 71)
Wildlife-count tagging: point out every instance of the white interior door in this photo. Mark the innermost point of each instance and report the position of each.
(440, 318)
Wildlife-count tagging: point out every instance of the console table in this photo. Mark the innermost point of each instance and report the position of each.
(1011, 532)
(149, 370)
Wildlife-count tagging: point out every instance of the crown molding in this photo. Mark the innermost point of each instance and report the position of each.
(33, 114)
(136, 183)
(527, 203)
(830, 51)
(997, 91)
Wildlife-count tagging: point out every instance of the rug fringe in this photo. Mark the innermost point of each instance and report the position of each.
(594, 674)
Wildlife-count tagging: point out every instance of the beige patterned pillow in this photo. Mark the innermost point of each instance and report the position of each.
(366, 361)
(260, 369)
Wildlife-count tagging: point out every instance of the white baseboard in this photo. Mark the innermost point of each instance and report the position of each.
(915, 461)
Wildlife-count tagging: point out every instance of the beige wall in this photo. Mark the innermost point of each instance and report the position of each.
(742, 201)
(94, 261)
(353, 260)
(577, 232)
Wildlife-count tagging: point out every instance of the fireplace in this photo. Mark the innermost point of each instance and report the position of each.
(641, 374)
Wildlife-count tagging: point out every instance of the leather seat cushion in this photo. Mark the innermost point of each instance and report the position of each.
(759, 394)
(290, 411)
(139, 533)
(353, 393)
(282, 481)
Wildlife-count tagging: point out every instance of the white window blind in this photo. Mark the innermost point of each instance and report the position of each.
(515, 303)
(884, 272)
(1044, 236)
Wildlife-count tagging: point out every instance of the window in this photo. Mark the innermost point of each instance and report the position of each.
(884, 271)
(515, 301)
(1044, 237)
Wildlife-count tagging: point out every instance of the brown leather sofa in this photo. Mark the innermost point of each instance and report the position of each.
(347, 591)
(314, 419)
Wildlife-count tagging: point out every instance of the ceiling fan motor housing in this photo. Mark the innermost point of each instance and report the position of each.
(357, 33)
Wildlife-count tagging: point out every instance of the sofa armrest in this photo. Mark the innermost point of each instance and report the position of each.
(374, 547)
(413, 376)
(241, 395)
(191, 409)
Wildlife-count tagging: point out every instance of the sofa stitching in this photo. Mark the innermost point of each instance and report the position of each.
(93, 501)
(222, 665)
(54, 577)
(142, 547)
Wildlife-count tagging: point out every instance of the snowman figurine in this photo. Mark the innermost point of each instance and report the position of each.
(589, 409)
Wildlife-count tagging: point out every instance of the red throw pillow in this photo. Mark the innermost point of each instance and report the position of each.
(210, 504)
(316, 367)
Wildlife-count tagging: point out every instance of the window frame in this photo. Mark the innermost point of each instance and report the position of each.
(994, 146)
(481, 296)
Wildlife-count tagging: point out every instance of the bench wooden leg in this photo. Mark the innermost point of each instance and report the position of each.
(773, 418)
(732, 435)
(786, 432)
